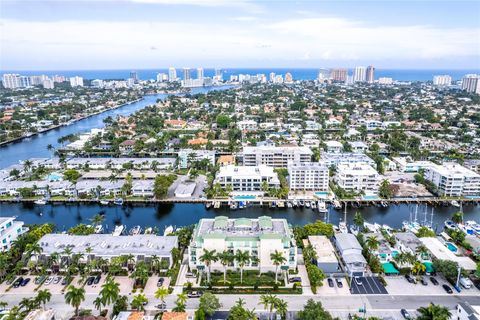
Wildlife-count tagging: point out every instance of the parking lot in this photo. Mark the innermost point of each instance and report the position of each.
(326, 290)
(399, 285)
(369, 285)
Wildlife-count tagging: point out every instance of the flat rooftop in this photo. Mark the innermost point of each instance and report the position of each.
(323, 248)
(440, 251)
(109, 245)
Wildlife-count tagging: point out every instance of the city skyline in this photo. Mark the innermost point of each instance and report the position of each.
(144, 34)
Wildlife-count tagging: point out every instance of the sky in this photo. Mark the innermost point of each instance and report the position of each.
(142, 34)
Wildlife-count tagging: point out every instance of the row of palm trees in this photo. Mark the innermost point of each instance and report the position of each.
(242, 258)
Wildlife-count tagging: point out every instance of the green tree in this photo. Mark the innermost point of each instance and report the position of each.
(180, 303)
(71, 175)
(268, 302)
(110, 291)
(449, 268)
(209, 303)
(277, 259)
(372, 243)
(385, 191)
(418, 268)
(223, 120)
(138, 302)
(74, 297)
(457, 217)
(314, 310)
(140, 273)
(358, 220)
(239, 312)
(161, 185)
(425, 232)
(225, 258)
(207, 258)
(120, 304)
(433, 312)
(315, 275)
(242, 258)
(43, 296)
(161, 293)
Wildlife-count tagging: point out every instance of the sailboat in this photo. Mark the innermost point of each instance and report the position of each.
(342, 226)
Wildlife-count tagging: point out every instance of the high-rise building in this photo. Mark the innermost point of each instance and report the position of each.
(272, 77)
(76, 81)
(442, 80)
(359, 74)
(37, 80)
(200, 73)
(370, 74)
(162, 77)
(97, 83)
(25, 81)
(323, 75)
(134, 76)
(471, 83)
(339, 75)
(48, 84)
(58, 78)
(288, 77)
(172, 74)
(11, 81)
(187, 74)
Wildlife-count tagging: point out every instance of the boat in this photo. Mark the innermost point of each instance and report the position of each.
(217, 204)
(273, 204)
(468, 230)
(168, 230)
(233, 205)
(295, 203)
(449, 224)
(307, 204)
(40, 202)
(474, 225)
(289, 204)
(208, 205)
(281, 204)
(118, 230)
(377, 227)
(98, 228)
(387, 229)
(411, 226)
(336, 229)
(241, 205)
(455, 203)
(354, 230)
(337, 205)
(384, 204)
(135, 230)
(342, 226)
(118, 201)
(149, 230)
(104, 202)
(321, 207)
(313, 204)
(301, 203)
(370, 227)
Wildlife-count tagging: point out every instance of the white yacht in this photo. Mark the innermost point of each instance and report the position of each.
(168, 230)
(322, 208)
(118, 230)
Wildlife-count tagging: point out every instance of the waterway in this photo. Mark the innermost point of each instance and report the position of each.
(36, 146)
(181, 214)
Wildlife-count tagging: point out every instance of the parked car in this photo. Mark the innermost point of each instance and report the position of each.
(358, 281)
(194, 294)
(18, 282)
(410, 279)
(295, 279)
(330, 283)
(57, 280)
(424, 281)
(39, 279)
(49, 280)
(160, 282)
(405, 314)
(447, 289)
(64, 281)
(434, 281)
(90, 280)
(466, 283)
(25, 282)
(97, 279)
(161, 306)
(339, 283)
(190, 275)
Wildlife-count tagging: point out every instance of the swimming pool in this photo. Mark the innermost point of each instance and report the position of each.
(370, 197)
(321, 194)
(55, 176)
(245, 197)
(451, 247)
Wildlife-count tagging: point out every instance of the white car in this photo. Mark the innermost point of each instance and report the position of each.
(49, 280)
(358, 281)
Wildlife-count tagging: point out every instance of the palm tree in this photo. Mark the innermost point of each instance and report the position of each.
(161, 293)
(33, 249)
(110, 291)
(207, 258)
(180, 303)
(242, 258)
(43, 296)
(281, 307)
(277, 259)
(457, 217)
(358, 220)
(141, 273)
(309, 254)
(138, 302)
(98, 303)
(97, 219)
(225, 258)
(27, 165)
(418, 267)
(74, 297)
(372, 243)
(268, 301)
(433, 312)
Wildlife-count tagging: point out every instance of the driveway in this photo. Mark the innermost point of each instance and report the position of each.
(326, 290)
(400, 286)
(126, 284)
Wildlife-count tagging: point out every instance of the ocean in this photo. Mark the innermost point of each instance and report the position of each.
(297, 73)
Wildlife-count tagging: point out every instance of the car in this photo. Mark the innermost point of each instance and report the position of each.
(18, 282)
(64, 281)
(25, 282)
(97, 279)
(160, 282)
(339, 283)
(295, 279)
(330, 283)
(410, 279)
(39, 279)
(56, 280)
(447, 289)
(90, 280)
(405, 314)
(49, 280)
(161, 306)
(424, 281)
(358, 281)
(434, 281)
(194, 294)
(190, 275)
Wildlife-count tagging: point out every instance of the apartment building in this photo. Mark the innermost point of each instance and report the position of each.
(10, 230)
(452, 179)
(259, 237)
(243, 178)
(334, 159)
(277, 157)
(357, 177)
(247, 125)
(308, 176)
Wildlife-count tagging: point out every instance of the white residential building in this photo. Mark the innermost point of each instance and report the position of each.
(442, 80)
(465, 311)
(385, 80)
(243, 178)
(172, 74)
(186, 156)
(258, 237)
(277, 157)
(48, 84)
(308, 176)
(359, 147)
(406, 165)
(334, 146)
(247, 125)
(452, 179)
(334, 159)
(76, 81)
(360, 74)
(471, 83)
(357, 177)
(10, 230)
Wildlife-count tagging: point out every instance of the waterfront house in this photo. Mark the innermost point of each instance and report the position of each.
(443, 251)
(351, 252)
(126, 147)
(10, 230)
(452, 179)
(326, 258)
(244, 178)
(358, 177)
(259, 237)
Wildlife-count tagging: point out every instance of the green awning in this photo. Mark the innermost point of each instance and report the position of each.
(428, 267)
(389, 268)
